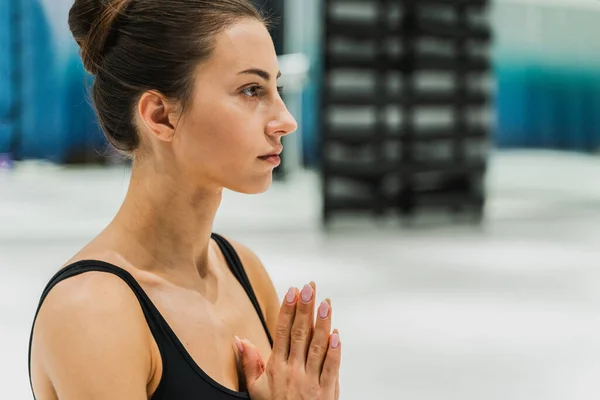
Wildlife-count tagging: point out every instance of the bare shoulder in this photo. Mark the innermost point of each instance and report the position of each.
(91, 296)
(91, 339)
(260, 280)
(256, 271)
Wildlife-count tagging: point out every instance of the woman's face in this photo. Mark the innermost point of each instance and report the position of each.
(236, 114)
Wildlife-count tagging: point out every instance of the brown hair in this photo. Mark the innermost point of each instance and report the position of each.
(132, 46)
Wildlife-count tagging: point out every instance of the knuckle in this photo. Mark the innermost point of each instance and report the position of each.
(312, 389)
(282, 332)
(303, 309)
(293, 378)
(330, 369)
(288, 309)
(317, 350)
(321, 332)
(333, 365)
(299, 334)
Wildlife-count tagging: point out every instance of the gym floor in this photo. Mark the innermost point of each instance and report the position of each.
(506, 310)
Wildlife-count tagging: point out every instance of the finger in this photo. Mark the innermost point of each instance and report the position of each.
(252, 362)
(300, 336)
(287, 312)
(312, 325)
(331, 366)
(337, 388)
(320, 340)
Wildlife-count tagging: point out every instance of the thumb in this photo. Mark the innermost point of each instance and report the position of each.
(252, 362)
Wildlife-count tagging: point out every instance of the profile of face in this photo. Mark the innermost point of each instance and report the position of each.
(235, 116)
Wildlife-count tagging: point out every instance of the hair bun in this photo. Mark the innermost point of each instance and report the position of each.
(90, 22)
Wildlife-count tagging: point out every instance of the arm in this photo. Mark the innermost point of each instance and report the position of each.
(92, 340)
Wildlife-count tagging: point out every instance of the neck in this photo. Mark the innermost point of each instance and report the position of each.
(164, 226)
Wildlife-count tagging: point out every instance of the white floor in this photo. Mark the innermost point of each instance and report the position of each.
(510, 310)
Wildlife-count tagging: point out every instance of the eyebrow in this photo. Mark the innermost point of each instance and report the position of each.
(259, 72)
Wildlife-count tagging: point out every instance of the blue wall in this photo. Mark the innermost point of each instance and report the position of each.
(544, 107)
(5, 88)
(55, 118)
(41, 90)
(547, 67)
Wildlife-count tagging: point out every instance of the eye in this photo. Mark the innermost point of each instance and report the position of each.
(251, 91)
(280, 89)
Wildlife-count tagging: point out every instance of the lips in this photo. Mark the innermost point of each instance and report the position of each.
(273, 153)
(272, 159)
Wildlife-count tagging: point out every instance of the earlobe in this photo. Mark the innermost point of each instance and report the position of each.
(156, 113)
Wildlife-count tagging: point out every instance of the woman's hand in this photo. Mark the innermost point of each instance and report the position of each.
(305, 361)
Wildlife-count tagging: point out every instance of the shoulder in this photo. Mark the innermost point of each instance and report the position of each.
(91, 329)
(260, 279)
(90, 296)
(256, 271)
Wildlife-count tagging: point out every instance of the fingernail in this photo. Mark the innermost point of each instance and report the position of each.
(307, 293)
(323, 310)
(335, 340)
(291, 295)
(238, 343)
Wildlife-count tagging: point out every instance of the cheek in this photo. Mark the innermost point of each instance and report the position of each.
(222, 133)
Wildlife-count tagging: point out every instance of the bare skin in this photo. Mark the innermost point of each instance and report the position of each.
(91, 340)
(205, 322)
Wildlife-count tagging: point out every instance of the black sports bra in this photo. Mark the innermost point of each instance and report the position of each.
(182, 378)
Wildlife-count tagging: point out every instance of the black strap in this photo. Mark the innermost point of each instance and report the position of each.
(150, 312)
(236, 266)
(153, 316)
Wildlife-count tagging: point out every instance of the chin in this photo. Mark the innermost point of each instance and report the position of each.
(254, 186)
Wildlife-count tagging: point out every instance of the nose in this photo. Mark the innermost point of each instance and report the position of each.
(283, 123)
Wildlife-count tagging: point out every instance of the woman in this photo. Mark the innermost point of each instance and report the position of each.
(154, 305)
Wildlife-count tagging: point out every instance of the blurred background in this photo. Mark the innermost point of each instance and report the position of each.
(442, 188)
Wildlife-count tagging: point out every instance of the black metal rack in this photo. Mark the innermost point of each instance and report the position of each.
(404, 105)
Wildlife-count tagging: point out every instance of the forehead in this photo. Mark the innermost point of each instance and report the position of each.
(245, 44)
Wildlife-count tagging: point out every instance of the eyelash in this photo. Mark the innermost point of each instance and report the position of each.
(261, 88)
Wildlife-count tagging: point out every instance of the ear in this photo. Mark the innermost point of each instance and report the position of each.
(158, 115)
